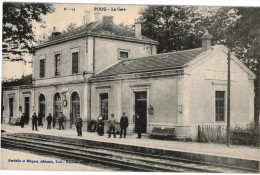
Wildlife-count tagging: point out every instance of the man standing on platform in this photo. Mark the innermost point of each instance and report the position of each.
(111, 124)
(22, 121)
(49, 119)
(123, 125)
(79, 125)
(138, 126)
(61, 120)
(34, 121)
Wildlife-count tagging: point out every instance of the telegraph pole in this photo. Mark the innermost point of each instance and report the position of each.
(228, 101)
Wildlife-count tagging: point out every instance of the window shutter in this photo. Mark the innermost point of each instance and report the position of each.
(42, 67)
(75, 61)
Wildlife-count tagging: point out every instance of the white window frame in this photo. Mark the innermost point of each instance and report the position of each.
(123, 50)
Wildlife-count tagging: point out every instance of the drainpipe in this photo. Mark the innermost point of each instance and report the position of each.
(94, 59)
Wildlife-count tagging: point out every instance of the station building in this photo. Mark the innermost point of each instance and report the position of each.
(102, 68)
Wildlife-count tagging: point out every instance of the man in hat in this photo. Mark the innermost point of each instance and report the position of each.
(49, 119)
(22, 121)
(34, 121)
(61, 119)
(123, 125)
(112, 123)
(79, 125)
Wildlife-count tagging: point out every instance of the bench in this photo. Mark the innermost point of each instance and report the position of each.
(162, 132)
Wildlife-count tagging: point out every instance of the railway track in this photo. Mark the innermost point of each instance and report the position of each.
(116, 159)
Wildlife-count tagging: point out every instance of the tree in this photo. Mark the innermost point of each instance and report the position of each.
(180, 28)
(18, 37)
(71, 26)
(171, 26)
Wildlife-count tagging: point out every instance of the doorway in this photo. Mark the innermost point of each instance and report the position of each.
(41, 108)
(26, 109)
(11, 108)
(141, 109)
(75, 108)
(56, 107)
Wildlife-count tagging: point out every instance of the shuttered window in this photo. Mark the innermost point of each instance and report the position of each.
(57, 64)
(42, 68)
(75, 62)
(220, 106)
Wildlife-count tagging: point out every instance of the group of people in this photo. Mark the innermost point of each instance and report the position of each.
(112, 124)
(100, 125)
(49, 118)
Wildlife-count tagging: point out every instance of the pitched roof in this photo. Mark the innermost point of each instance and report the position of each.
(96, 27)
(26, 80)
(172, 60)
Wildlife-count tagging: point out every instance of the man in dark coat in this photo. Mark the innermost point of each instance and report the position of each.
(49, 119)
(22, 120)
(123, 125)
(61, 119)
(79, 125)
(34, 121)
(138, 126)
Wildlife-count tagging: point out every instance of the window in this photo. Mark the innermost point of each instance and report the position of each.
(104, 105)
(75, 62)
(42, 68)
(57, 64)
(11, 107)
(123, 54)
(57, 105)
(220, 105)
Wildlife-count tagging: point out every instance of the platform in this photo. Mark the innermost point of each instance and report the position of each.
(207, 151)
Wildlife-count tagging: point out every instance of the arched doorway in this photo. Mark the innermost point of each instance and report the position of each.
(56, 107)
(75, 108)
(41, 112)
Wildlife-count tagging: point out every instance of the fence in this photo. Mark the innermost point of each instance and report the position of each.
(246, 134)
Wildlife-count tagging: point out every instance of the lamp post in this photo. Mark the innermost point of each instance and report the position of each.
(228, 101)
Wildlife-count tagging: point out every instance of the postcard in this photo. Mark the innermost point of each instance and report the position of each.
(130, 88)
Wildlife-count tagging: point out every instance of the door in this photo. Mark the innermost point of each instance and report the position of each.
(11, 108)
(41, 107)
(57, 105)
(26, 109)
(75, 108)
(141, 109)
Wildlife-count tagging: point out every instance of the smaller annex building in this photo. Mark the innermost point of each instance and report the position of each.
(180, 89)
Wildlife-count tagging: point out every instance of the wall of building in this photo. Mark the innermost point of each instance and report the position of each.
(107, 51)
(65, 49)
(18, 95)
(163, 99)
(49, 93)
(210, 76)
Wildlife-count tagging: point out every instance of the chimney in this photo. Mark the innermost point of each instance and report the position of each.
(108, 22)
(97, 16)
(86, 18)
(138, 29)
(206, 41)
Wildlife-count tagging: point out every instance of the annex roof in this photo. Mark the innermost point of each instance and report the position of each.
(97, 28)
(25, 80)
(172, 60)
